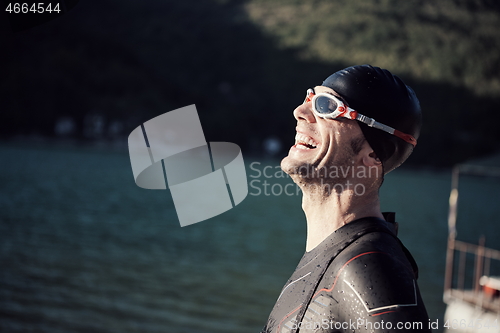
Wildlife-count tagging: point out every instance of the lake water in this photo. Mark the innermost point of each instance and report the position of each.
(83, 249)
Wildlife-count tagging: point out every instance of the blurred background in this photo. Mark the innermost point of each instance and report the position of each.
(82, 249)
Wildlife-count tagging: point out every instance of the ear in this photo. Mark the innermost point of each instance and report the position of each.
(370, 158)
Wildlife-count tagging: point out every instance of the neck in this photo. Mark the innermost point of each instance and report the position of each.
(327, 212)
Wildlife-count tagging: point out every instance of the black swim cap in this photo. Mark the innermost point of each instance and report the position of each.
(376, 93)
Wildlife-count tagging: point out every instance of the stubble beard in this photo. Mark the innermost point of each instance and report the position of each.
(305, 173)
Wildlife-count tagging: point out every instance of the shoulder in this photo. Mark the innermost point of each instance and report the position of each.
(375, 282)
(378, 252)
(375, 266)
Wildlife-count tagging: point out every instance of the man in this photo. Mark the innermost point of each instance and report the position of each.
(355, 276)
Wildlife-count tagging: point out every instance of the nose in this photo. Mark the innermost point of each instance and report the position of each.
(304, 112)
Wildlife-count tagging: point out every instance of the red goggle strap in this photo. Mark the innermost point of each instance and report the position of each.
(375, 124)
(407, 137)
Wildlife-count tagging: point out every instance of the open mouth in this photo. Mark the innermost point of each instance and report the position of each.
(304, 142)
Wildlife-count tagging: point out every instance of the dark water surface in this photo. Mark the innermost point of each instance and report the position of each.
(83, 249)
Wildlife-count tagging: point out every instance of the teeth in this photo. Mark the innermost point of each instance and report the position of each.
(304, 142)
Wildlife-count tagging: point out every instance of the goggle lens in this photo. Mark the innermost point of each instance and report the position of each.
(325, 105)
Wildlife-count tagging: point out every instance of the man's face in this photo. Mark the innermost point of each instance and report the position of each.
(321, 143)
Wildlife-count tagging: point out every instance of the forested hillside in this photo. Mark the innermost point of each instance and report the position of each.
(457, 42)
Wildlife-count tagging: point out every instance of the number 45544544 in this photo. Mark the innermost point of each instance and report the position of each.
(39, 8)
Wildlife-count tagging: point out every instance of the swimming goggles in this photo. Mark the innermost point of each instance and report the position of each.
(330, 107)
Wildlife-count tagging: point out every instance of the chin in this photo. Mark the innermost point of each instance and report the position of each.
(286, 164)
(292, 166)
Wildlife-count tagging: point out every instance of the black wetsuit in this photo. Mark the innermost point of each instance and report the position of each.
(359, 279)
